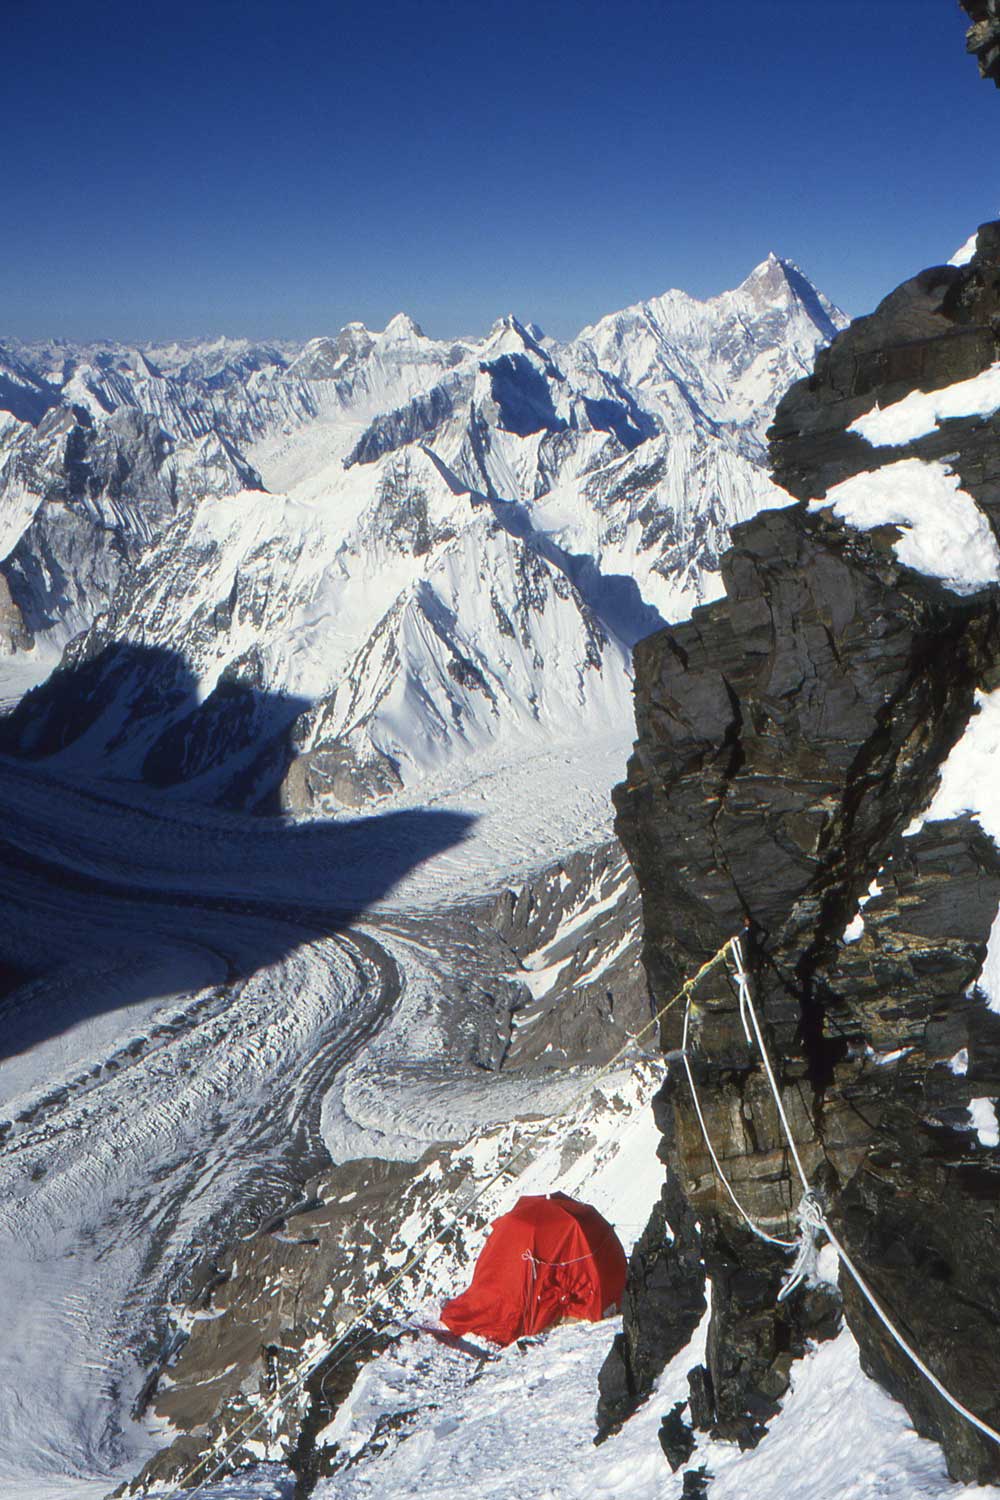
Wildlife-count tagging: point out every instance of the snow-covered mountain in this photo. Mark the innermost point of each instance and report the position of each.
(323, 570)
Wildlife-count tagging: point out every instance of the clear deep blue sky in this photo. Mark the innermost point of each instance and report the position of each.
(279, 167)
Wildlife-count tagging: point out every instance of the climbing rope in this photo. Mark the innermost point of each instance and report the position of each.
(297, 1377)
(812, 1217)
(536, 1260)
(747, 1009)
(754, 1227)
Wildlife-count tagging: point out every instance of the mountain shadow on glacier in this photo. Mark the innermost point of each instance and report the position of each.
(102, 863)
(134, 712)
(135, 892)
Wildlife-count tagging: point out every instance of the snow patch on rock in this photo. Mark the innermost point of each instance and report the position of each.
(968, 781)
(944, 533)
(983, 1114)
(921, 411)
(965, 252)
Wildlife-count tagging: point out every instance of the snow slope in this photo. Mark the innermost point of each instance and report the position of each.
(522, 1429)
(433, 1420)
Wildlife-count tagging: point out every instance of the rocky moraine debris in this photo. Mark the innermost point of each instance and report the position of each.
(788, 737)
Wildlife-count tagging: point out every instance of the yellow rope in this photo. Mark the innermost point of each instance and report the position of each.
(306, 1367)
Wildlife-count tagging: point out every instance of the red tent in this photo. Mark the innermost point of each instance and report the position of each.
(549, 1258)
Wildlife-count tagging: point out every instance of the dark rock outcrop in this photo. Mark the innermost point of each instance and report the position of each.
(290, 1282)
(940, 327)
(14, 633)
(676, 1438)
(787, 737)
(394, 429)
(664, 1301)
(576, 924)
(984, 36)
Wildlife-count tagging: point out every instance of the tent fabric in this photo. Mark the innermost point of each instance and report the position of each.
(549, 1258)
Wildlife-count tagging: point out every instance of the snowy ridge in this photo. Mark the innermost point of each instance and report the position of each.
(727, 357)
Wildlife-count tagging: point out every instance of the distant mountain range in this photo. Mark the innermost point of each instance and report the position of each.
(307, 575)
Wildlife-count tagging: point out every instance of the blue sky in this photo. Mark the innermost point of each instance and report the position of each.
(277, 169)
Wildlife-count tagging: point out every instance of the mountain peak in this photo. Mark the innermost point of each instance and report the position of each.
(402, 327)
(779, 281)
(143, 366)
(324, 358)
(772, 273)
(509, 333)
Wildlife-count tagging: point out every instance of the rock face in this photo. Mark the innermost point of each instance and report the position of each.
(935, 330)
(82, 499)
(574, 929)
(984, 36)
(301, 1273)
(788, 736)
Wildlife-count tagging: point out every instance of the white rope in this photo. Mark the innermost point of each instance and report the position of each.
(747, 1007)
(813, 1218)
(810, 1217)
(756, 1229)
(911, 1353)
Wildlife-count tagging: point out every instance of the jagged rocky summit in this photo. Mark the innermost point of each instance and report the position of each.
(816, 768)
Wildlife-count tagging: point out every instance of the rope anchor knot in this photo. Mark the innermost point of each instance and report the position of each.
(812, 1222)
